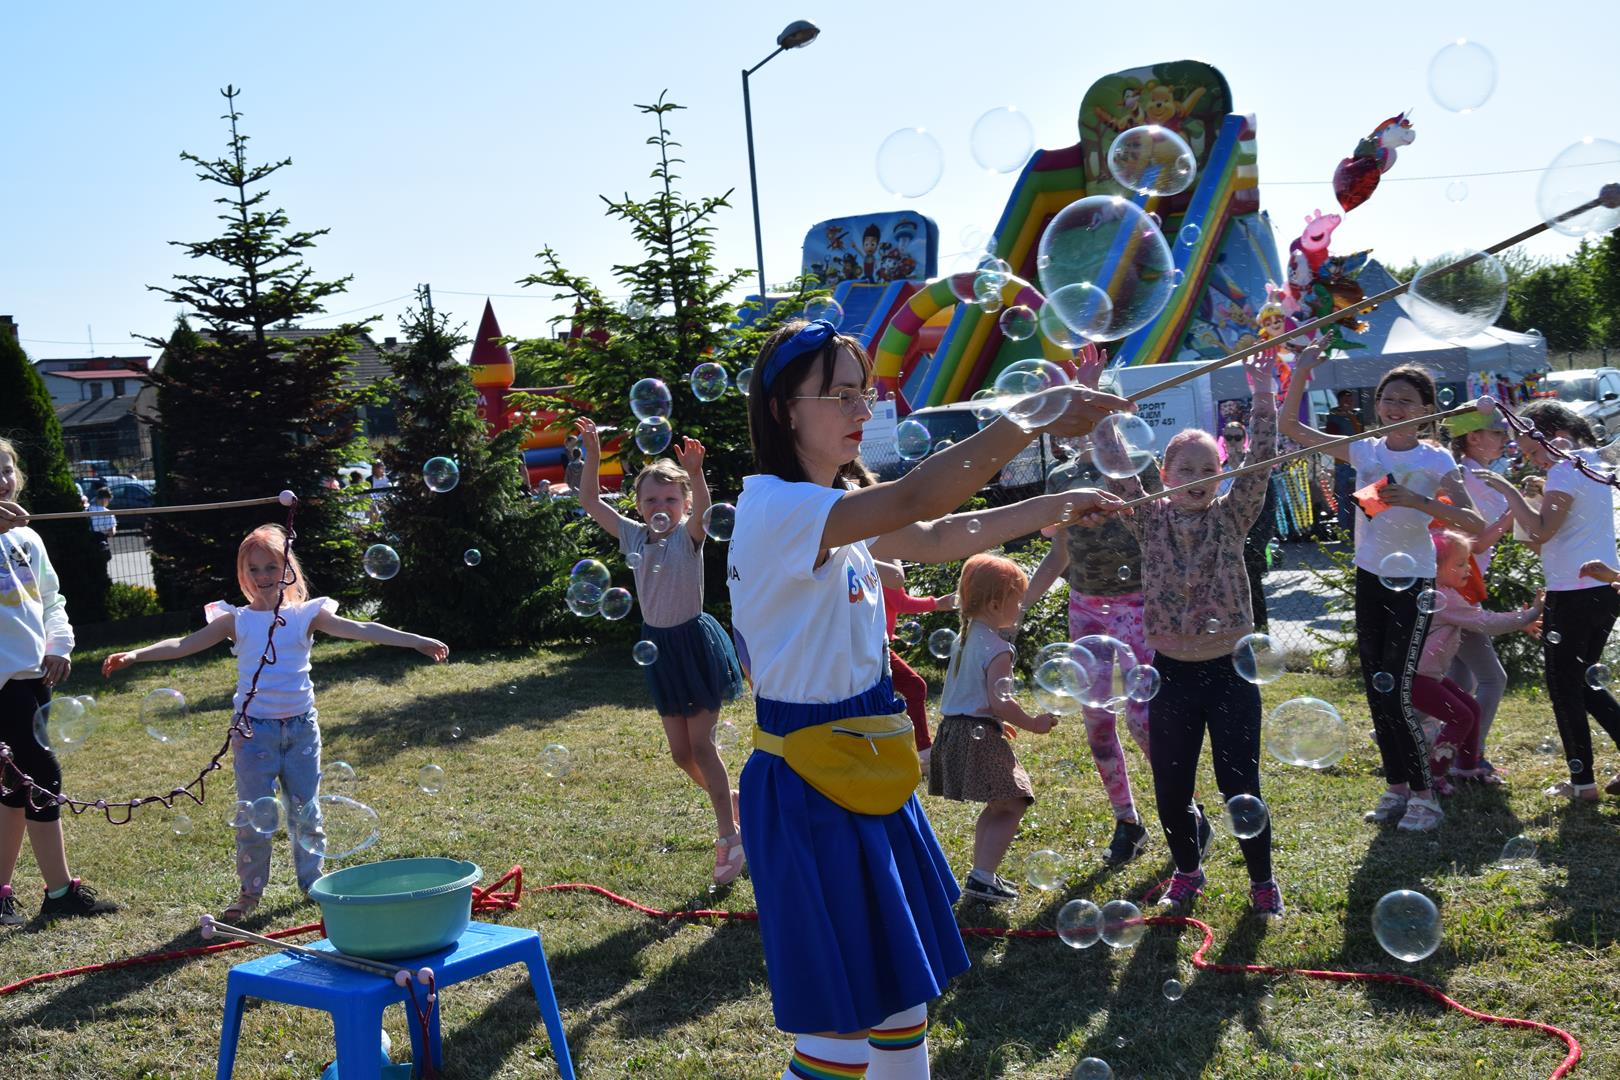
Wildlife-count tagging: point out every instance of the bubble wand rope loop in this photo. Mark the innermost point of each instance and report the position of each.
(40, 797)
(1523, 427)
(1609, 198)
(1320, 448)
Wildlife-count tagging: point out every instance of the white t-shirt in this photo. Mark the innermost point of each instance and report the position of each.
(1490, 503)
(1588, 531)
(965, 693)
(811, 634)
(285, 688)
(1422, 468)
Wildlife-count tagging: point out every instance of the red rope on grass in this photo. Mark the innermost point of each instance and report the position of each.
(493, 898)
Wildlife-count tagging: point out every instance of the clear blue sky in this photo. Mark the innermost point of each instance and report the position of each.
(448, 146)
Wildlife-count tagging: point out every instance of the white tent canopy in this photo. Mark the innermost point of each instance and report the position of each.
(1392, 338)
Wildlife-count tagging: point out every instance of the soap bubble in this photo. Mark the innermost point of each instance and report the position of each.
(1460, 303)
(824, 308)
(1055, 330)
(1152, 160)
(616, 604)
(1189, 235)
(1245, 816)
(912, 440)
(1109, 686)
(1063, 675)
(1044, 870)
(653, 435)
(1429, 601)
(1457, 191)
(1383, 682)
(650, 398)
(1092, 1069)
(909, 632)
(380, 561)
(335, 826)
(1554, 637)
(1021, 381)
(181, 824)
(264, 815)
(584, 598)
(644, 652)
(709, 381)
(719, 521)
(592, 571)
(1002, 140)
(1173, 990)
(1259, 658)
(338, 778)
(941, 642)
(440, 474)
(1142, 683)
(1122, 445)
(725, 735)
(429, 779)
(977, 733)
(1574, 766)
(1003, 689)
(1519, 853)
(1462, 76)
(1306, 731)
(62, 724)
(1085, 310)
(1574, 179)
(909, 163)
(744, 378)
(1018, 323)
(1057, 704)
(1123, 573)
(1122, 924)
(555, 761)
(165, 715)
(240, 815)
(1397, 571)
(660, 522)
(1597, 676)
(472, 556)
(1212, 625)
(1407, 925)
(1079, 924)
(1106, 240)
(988, 285)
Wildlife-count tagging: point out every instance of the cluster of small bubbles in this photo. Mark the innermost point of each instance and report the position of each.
(912, 440)
(1383, 682)
(709, 381)
(720, 521)
(1044, 870)
(1122, 924)
(942, 642)
(429, 779)
(1407, 925)
(1173, 990)
(472, 556)
(380, 562)
(824, 309)
(1245, 816)
(616, 604)
(653, 435)
(1259, 659)
(1079, 924)
(650, 398)
(909, 162)
(1307, 732)
(555, 761)
(644, 652)
(1397, 571)
(440, 474)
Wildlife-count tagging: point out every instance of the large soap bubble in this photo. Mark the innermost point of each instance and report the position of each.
(1002, 139)
(165, 715)
(1575, 178)
(1122, 445)
(1306, 731)
(335, 826)
(1111, 245)
(650, 398)
(1110, 685)
(1079, 924)
(909, 162)
(1407, 925)
(1152, 160)
(1460, 303)
(62, 724)
(1022, 381)
(1462, 76)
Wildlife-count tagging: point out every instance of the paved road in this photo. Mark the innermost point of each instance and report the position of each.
(131, 562)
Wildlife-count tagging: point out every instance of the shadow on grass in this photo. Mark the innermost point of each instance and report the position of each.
(1584, 846)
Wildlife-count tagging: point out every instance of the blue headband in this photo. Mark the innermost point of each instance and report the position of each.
(810, 338)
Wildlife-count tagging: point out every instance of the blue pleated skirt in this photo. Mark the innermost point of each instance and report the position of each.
(855, 910)
(696, 668)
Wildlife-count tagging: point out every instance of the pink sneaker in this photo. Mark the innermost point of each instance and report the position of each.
(728, 859)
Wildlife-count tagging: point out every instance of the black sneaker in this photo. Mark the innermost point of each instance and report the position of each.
(997, 891)
(1206, 835)
(1130, 837)
(8, 911)
(80, 899)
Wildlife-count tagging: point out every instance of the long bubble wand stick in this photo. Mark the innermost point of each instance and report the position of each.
(143, 511)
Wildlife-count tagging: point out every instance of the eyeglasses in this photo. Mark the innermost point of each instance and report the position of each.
(850, 400)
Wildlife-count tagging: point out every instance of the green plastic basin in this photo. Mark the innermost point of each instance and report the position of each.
(398, 908)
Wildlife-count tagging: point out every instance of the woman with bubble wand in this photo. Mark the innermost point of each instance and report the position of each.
(690, 664)
(275, 738)
(853, 892)
(36, 646)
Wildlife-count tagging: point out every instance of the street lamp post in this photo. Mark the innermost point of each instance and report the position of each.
(798, 34)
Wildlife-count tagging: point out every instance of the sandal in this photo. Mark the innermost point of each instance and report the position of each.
(1564, 789)
(239, 909)
(728, 859)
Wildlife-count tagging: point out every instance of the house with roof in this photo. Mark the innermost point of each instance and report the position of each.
(95, 400)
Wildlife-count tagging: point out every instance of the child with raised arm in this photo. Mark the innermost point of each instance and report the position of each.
(974, 759)
(696, 668)
(285, 744)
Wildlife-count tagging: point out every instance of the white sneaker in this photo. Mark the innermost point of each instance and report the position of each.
(1422, 815)
(1391, 805)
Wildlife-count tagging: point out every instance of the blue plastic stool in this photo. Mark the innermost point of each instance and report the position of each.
(356, 999)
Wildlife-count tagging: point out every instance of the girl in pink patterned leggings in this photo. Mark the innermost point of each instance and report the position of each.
(1104, 569)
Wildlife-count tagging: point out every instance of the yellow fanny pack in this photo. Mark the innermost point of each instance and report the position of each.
(866, 764)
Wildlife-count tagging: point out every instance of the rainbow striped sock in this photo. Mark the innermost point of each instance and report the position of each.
(900, 1038)
(807, 1067)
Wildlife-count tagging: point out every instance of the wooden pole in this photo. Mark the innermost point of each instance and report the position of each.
(143, 511)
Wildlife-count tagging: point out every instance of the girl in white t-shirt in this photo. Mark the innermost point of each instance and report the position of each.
(274, 736)
(1574, 527)
(1394, 563)
(855, 909)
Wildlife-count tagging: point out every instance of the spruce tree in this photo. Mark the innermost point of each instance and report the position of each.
(245, 412)
(514, 593)
(28, 421)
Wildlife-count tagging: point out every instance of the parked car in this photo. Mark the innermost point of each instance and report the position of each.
(1594, 393)
(128, 493)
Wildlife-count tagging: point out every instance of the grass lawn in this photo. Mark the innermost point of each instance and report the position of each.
(658, 999)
